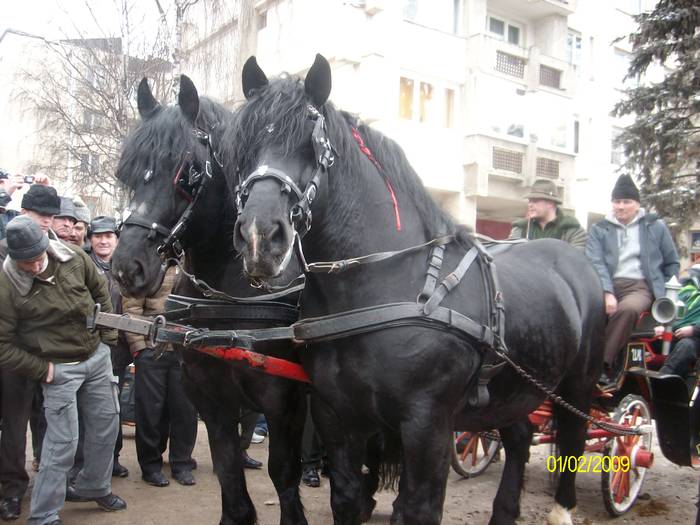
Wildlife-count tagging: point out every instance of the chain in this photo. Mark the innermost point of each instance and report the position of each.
(610, 427)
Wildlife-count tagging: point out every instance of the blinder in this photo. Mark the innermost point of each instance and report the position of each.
(324, 155)
(190, 183)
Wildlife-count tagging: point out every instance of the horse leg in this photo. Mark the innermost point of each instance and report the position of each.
(224, 442)
(373, 459)
(426, 440)
(516, 440)
(286, 425)
(397, 505)
(571, 441)
(345, 452)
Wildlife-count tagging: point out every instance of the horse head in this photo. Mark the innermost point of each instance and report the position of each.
(285, 153)
(167, 164)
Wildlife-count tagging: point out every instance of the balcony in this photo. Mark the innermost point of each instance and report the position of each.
(534, 9)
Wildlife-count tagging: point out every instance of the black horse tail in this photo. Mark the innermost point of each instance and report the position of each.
(384, 458)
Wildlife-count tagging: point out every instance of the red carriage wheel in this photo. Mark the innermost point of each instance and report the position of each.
(473, 452)
(620, 488)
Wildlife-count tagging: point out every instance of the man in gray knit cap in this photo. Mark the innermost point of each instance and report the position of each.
(80, 228)
(48, 288)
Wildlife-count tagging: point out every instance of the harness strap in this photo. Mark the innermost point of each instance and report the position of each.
(432, 273)
(268, 312)
(451, 281)
(346, 264)
(373, 318)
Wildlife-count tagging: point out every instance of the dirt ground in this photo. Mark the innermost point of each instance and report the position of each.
(670, 493)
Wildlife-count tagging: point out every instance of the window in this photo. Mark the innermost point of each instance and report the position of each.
(89, 163)
(621, 66)
(504, 30)
(505, 112)
(573, 50)
(617, 154)
(437, 14)
(406, 98)
(577, 135)
(425, 102)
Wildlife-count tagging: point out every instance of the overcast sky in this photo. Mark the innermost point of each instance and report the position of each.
(55, 19)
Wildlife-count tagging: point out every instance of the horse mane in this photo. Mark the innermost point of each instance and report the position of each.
(165, 134)
(277, 116)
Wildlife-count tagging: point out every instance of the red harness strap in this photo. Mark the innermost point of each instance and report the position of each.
(368, 153)
(265, 363)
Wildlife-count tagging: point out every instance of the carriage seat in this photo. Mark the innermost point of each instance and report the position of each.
(644, 327)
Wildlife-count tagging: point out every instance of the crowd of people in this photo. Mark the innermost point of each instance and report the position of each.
(64, 380)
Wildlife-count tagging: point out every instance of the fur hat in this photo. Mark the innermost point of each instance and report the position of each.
(25, 240)
(544, 189)
(625, 188)
(41, 199)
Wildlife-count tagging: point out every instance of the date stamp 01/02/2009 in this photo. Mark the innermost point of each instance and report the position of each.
(590, 463)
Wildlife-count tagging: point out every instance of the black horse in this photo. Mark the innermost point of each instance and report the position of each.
(164, 162)
(414, 384)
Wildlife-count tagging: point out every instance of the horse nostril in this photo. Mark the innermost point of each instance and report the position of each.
(238, 235)
(278, 234)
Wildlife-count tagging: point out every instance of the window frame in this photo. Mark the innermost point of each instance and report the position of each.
(507, 24)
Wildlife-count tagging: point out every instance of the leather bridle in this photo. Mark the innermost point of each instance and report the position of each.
(191, 186)
(300, 215)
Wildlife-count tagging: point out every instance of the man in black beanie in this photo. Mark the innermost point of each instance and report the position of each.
(634, 255)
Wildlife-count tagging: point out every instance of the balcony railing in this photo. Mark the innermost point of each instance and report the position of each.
(548, 168)
(550, 77)
(510, 64)
(507, 160)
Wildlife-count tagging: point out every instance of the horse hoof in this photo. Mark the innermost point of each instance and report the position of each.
(367, 510)
(559, 516)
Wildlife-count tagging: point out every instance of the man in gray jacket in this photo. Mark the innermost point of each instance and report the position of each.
(634, 255)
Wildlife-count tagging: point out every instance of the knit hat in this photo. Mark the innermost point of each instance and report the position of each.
(67, 209)
(4, 174)
(103, 224)
(41, 199)
(625, 188)
(544, 189)
(82, 212)
(25, 239)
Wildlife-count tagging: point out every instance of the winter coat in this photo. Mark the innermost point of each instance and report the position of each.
(658, 255)
(148, 306)
(45, 321)
(563, 227)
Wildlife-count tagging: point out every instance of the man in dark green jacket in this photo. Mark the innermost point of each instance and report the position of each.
(47, 289)
(545, 220)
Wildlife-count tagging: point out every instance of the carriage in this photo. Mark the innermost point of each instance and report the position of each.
(639, 397)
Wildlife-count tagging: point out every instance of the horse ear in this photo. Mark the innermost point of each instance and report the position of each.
(188, 99)
(145, 100)
(318, 81)
(253, 77)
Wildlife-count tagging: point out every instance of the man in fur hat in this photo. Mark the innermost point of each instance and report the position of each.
(634, 255)
(545, 219)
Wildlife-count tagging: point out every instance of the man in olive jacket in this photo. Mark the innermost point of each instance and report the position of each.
(545, 219)
(47, 289)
